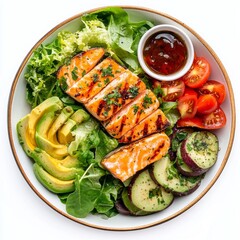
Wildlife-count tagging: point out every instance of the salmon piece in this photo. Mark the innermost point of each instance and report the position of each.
(117, 94)
(93, 82)
(79, 65)
(125, 119)
(156, 122)
(124, 162)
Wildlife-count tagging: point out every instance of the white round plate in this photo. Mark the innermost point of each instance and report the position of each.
(18, 108)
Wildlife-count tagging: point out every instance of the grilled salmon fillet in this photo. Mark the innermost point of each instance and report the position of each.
(124, 162)
(94, 81)
(117, 94)
(155, 122)
(129, 116)
(79, 65)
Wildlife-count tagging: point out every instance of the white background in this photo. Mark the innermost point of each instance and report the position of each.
(23, 215)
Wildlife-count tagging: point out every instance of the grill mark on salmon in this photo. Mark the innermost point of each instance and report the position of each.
(127, 160)
(125, 119)
(96, 80)
(117, 94)
(79, 65)
(155, 122)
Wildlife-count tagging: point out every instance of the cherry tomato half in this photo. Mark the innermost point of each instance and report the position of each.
(206, 104)
(171, 90)
(214, 87)
(198, 73)
(190, 91)
(187, 106)
(214, 120)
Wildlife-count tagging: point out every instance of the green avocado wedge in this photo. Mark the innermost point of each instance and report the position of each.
(54, 166)
(23, 136)
(51, 104)
(51, 183)
(64, 134)
(56, 150)
(58, 123)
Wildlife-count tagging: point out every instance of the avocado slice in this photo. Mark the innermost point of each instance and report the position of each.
(58, 123)
(54, 166)
(70, 162)
(51, 104)
(58, 151)
(44, 124)
(64, 134)
(51, 183)
(23, 136)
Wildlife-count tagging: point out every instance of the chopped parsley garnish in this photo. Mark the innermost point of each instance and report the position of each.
(133, 91)
(135, 109)
(147, 101)
(106, 81)
(95, 77)
(63, 83)
(107, 71)
(112, 97)
(83, 73)
(155, 192)
(74, 73)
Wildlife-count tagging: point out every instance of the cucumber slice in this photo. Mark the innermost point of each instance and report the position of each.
(183, 168)
(199, 151)
(166, 174)
(130, 206)
(148, 196)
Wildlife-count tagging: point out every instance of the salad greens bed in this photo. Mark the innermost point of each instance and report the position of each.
(96, 191)
(109, 28)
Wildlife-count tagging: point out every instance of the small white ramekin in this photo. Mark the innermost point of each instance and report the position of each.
(178, 32)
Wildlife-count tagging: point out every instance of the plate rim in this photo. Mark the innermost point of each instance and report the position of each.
(196, 199)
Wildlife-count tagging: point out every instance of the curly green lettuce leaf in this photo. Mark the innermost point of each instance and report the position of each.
(109, 28)
(124, 34)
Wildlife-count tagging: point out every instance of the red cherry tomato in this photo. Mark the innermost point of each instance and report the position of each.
(206, 104)
(171, 90)
(190, 91)
(190, 122)
(214, 87)
(214, 120)
(198, 73)
(187, 106)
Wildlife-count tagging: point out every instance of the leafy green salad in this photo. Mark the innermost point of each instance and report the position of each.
(95, 189)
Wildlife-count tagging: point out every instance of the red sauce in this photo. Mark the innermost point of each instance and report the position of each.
(165, 53)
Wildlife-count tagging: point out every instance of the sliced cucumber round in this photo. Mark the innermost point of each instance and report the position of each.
(130, 206)
(148, 196)
(199, 151)
(183, 168)
(166, 174)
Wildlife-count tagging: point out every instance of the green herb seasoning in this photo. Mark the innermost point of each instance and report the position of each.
(135, 109)
(107, 71)
(133, 91)
(95, 77)
(63, 83)
(74, 73)
(106, 81)
(112, 98)
(147, 101)
(83, 73)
